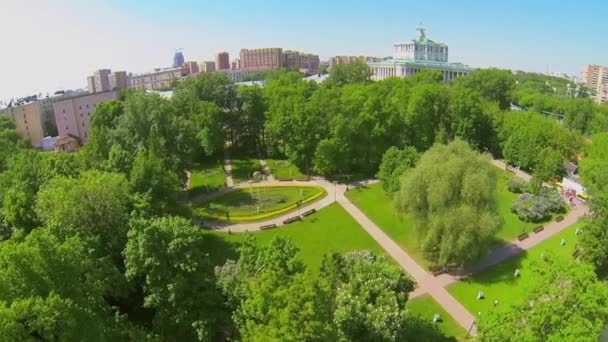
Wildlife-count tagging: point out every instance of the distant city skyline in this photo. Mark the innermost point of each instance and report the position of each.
(49, 46)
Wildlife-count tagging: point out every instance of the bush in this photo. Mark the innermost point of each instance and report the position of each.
(517, 185)
(537, 208)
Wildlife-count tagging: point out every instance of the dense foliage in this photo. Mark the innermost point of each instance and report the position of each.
(450, 195)
(98, 245)
(536, 208)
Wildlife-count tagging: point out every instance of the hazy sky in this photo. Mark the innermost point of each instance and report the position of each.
(47, 45)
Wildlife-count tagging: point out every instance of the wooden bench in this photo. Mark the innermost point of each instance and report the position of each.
(523, 236)
(292, 220)
(539, 229)
(310, 212)
(438, 272)
(576, 253)
(285, 179)
(268, 226)
(559, 218)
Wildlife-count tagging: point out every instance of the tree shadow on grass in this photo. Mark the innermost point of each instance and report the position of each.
(499, 266)
(220, 249)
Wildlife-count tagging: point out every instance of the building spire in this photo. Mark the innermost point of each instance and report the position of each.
(420, 32)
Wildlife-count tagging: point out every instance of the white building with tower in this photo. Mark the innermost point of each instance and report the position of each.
(418, 54)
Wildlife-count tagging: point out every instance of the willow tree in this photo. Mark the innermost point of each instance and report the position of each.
(450, 195)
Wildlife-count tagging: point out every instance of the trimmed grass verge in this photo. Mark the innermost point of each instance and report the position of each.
(426, 307)
(284, 170)
(243, 169)
(329, 230)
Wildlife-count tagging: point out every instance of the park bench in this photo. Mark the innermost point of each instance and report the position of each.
(285, 179)
(310, 212)
(438, 272)
(539, 229)
(559, 218)
(268, 226)
(292, 220)
(523, 236)
(576, 253)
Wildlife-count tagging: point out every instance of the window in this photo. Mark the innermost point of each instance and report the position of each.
(67, 128)
(83, 124)
(87, 106)
(80, 107)
(64, 111)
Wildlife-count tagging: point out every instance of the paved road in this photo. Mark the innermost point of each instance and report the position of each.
(228, 169)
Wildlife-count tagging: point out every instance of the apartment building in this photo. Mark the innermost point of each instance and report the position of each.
(595, 77)
(222, 61)
(301, 61)
(33, 120)
(337, 60)
(72, 115)
(119, 80)
(102, 80)
(157, 79)
(192, 68)
(208, 66)
(261, 59)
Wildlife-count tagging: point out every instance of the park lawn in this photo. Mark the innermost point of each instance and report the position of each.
(426, 307)
(512, 225)
(255, 200)
(498, 282)
(243, 169)
(377, 205)
(329, 230)
(284, 170)
(207, 176)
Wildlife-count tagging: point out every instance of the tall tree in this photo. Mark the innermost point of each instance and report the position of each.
(394, 163)
(167, 255)
(493, 84)
(450, 194)
(343, 74)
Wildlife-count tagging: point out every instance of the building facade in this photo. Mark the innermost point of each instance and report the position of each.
(119, 80)
(301, 61)
(261, 59)
(178, 59)
(102, 80)
(192, 68)
(236, 75)
(91, 84)
(595, 77)
(236, 64)
(33, 120)
(222, 61)
(337, 60)
(157, 79)
(208, 66)
(419, 54)
(72, 116)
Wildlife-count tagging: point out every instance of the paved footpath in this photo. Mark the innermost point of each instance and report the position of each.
(228, 169)
(443, 297)
(266, 170)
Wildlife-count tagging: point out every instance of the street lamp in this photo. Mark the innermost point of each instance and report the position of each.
(335, 191)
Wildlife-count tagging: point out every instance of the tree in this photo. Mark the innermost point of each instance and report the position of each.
(450, 194)
(94, 206)
(167, 255)
(394, 163)
(565, 302)
(343, 74)
(370, 303)
(251, 108)
(53, 289)
(493, 84)
(155, 185)
(209, 120)
(427, 118)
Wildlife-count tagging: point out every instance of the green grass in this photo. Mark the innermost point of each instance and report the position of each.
(243, 169)
(426, 307)
(377, 205)
(251, 201)
(206, 177)
(284, 170)
(499, 283)
(329, 230)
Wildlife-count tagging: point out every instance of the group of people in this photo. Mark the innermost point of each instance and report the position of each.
(570, 195)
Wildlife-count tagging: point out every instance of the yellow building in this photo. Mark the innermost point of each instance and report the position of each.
(32, 120)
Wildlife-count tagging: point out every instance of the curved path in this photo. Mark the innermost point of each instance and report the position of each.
(426, 282)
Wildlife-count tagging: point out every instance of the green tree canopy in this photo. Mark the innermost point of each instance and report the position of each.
(450, 194)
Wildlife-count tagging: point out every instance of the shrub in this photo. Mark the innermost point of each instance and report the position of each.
(517, 185)
(537, 208)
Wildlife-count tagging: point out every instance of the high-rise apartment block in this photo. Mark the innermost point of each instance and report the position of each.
(33, 120)
(119, 80)
(102, 80)
(192, 68)
(91, 84)
(595, 77)
(235, 65)
(208, 66)
(222, 61)
(72, 116)
(261, 59)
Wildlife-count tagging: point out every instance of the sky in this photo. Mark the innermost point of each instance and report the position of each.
(49, 45)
